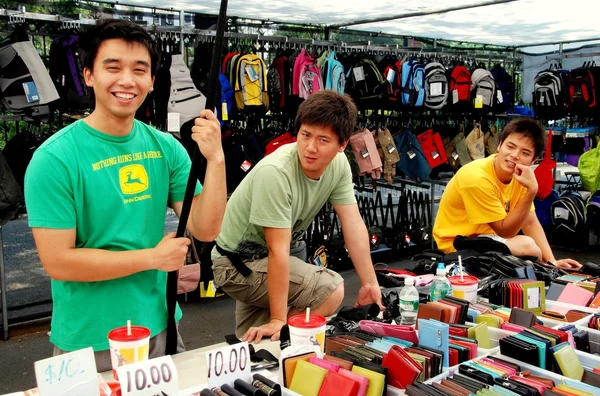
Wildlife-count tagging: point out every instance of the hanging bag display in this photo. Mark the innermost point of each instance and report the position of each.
(543, 172)
(431, 144)
(474, 143)
(413, 162)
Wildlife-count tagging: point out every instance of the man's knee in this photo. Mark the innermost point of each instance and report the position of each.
(333, 302)
(525, 246)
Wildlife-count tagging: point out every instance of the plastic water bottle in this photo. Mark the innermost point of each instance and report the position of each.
(409, 302)
(440, 287)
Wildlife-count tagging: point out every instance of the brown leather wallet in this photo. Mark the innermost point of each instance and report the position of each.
(430, 311)
(574, 315)
(345, 364)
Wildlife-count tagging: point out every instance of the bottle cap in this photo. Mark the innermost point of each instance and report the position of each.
(441, 269)
(409, 281)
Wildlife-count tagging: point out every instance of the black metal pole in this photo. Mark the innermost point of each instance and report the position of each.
(211, 99)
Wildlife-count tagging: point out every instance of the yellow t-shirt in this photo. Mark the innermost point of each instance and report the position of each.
(473, 198)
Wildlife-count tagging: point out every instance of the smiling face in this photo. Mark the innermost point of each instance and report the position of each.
(317, 147)
(121, 78)
(515, 149)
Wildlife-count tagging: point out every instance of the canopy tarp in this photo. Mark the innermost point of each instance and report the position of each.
(517, 23)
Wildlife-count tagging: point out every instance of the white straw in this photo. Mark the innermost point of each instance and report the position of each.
(460, 268)
(307, 315)
(128, 327)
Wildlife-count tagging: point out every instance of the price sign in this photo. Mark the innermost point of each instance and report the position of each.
(70, 374)
(154, 377)
(227, 364)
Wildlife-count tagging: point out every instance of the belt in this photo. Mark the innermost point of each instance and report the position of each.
(236, 260)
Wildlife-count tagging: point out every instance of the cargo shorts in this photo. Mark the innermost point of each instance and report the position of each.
(310, 286)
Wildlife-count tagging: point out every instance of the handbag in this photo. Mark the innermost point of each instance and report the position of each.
(543, 172)
(475, 143)
(188, 276)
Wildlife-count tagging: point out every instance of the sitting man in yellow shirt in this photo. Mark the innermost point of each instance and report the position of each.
(493, 197)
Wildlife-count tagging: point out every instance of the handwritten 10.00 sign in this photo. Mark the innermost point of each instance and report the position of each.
(227, 364)
(154, 377)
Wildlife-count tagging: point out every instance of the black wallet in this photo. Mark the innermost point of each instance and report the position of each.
(582, 341)
(516, 387)
(521, 350)
(479, 375)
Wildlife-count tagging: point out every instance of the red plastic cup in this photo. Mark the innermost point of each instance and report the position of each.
(127, 349)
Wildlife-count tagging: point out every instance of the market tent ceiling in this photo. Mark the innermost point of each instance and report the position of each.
(511, 24)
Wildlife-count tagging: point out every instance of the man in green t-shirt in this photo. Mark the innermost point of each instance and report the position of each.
(272, 208)
(97, 193)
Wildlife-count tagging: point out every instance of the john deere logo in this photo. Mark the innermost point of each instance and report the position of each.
(133, 179)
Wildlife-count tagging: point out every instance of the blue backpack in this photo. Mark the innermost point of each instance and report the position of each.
(505, 89)
(543, 208)
(333, 74)
(413, 162)
(413, 84)
(225, 98)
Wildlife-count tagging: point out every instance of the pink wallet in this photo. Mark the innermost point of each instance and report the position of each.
(363, 382)
(512, 327)
(324, 364)
(402, 332)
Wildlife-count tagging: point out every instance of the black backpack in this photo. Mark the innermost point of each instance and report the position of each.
(365, 84)
(66, 72)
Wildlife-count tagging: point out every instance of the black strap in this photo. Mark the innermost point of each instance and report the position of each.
(255, 356)
(236, 261)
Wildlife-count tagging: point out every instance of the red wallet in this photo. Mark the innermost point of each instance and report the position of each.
(337, 384)
(403, 370)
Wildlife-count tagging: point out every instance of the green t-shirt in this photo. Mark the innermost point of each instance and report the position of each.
(277, 193)
(114, 191)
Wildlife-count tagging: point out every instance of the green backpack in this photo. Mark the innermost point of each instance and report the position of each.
(589, 169)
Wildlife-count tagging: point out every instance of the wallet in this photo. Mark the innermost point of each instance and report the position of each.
(430, 311)
(402, 332)
(480, 333)
(568, 361)
(289, 366)
(573, 294)
(517, 349)
(307, 379)
(363, 382)
(403, 370)
(591, 378)
(435, 335)
(330, 366)
(340, 362)
(337, 384)
(574, 315)
(377, 381)
(522, 317)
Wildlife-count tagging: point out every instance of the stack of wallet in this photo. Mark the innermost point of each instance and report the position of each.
(493, 376)
(581, 339)
(448, 310)
(521, 293)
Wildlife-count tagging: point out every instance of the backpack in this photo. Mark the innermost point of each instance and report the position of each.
(483, 89)
(505, 89)
(436, 85)
(225, 98)
(25, 85)
(66, 73)
(549, 89)
(184, 97)
(459, 86)
(589, 169)
(543, 208)
(593, 213)
(413, 84)
(568, 213)
(10, 192)
(364, 82)
(279, 79)
(583, 85)
(306, 77)
(333, 74)
(392, 73)
(250, 84)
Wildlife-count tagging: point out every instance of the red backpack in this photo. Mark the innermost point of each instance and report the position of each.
(459, 81)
